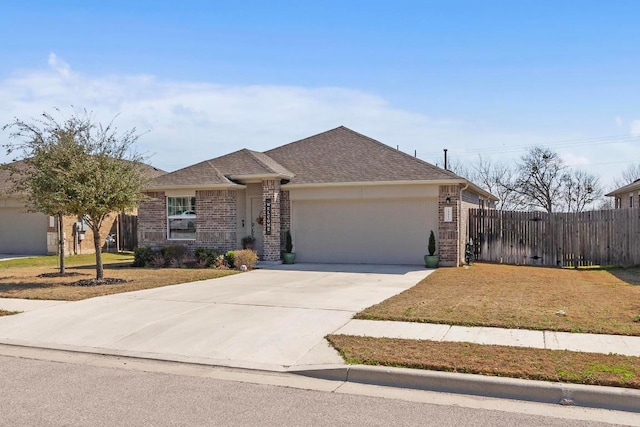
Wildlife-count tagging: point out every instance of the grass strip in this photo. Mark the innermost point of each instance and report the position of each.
(493, 360)
(602, 301)
(35, 278)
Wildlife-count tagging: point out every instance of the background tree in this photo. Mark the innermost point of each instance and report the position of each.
(539, 179)
(581, 190)
(78, 167)
(499, 179)
(628, 175)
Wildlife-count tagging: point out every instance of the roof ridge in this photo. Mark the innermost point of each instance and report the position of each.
(218, 173)
(304, 139)
(454, 175)
(255, 158)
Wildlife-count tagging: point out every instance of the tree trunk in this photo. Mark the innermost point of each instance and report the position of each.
(98, 248)
(61, 243)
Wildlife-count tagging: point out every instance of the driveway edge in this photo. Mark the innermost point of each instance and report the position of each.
(602, 397)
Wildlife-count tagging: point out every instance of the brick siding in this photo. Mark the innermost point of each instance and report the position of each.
(216, 216)
(271, 243)
(448, 232)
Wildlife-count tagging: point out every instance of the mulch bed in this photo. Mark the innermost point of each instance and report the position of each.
(58, 274)
(98, 282)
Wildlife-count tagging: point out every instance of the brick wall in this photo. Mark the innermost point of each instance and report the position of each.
(216, 216)
(449, 232)
(285, 217)
(152, 220)
(78, 246)
(625, 199)
(271, 243)
(216, 219)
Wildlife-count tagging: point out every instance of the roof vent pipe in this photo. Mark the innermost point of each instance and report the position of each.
(445, 160)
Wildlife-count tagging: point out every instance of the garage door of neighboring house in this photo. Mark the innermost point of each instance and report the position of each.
(382, 231)
(22, 233)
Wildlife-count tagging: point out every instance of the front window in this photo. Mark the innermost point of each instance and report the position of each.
(181, 218)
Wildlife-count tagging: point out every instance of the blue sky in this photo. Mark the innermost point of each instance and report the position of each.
(202, 79)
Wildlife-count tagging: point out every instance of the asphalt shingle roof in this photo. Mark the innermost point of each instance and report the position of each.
(342, 155)
(7, 186)
(201, 175)
(337, 156)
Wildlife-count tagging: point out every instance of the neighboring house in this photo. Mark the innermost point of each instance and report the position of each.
(34, 233)
(627, 196)
(345, 197)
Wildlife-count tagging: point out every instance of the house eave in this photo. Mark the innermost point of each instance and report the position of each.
(625, 189)
(475, 188)
(367, 183)
(197, 187)
(254, 178)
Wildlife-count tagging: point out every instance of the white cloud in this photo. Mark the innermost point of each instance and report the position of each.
(618, 121)
(185, 122)
(634, 127)
(573, 160)
(59, 65)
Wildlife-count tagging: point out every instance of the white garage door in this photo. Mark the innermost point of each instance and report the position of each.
(381, 231)
(22, 233)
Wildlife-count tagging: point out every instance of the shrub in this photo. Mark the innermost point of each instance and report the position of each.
(142, 257)
(248, 241)
(288, 246)
(432, 244)
(229, 257)
(177, 252)
(206, 256)
(157, 261)
(221, 262)
(245, 257)
(200, 264)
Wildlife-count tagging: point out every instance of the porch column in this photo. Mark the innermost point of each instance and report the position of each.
(449, 225)
(271, 226)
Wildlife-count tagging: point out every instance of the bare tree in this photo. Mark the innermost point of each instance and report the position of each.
(539, 178)
(580, 190)
(629, 175)
(499, 179)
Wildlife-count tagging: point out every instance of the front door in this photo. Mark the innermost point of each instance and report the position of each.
(256, 219)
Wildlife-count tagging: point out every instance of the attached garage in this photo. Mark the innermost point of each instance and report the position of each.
(353, 226)
(22, 232)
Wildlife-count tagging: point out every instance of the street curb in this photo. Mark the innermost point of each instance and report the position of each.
(614, 398)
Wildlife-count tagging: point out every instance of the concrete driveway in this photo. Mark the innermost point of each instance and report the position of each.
(272, 318)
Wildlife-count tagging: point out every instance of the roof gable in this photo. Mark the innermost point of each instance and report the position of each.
(198, 175)
(248, 162)
(342, 155)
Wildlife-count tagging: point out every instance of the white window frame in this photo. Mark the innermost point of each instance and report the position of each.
(189, 218)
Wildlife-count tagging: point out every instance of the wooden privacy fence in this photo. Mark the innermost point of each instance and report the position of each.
(608, 237)
(127, 233)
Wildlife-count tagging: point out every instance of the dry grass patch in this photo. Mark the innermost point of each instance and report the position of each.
(8, 313)
(596, 301)
(20, 279)
(503, 361)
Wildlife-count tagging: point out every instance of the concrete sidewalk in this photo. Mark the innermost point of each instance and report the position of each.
(592, 343)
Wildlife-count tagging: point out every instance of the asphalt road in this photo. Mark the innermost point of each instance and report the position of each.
(89, 391)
